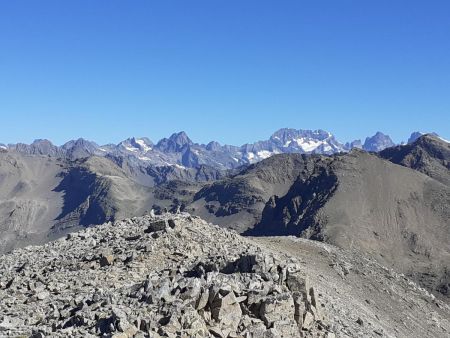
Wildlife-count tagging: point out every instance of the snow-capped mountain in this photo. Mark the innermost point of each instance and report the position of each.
(180, 151)
(136, 145)
(307, 141)
(289, 140)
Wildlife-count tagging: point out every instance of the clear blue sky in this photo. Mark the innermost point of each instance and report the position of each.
(229, 70)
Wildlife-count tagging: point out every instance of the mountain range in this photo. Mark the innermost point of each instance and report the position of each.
(180, 150)
(390, 204)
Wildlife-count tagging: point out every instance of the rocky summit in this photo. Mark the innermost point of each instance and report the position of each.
(175, 275)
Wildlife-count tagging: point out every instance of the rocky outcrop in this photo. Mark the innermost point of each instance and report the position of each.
(178, 276)
(168, 276)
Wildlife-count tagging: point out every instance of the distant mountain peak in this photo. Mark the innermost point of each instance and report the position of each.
(306, 141)
(181, 138)
(42, 141)
(354, 144)
(136, 144)
(213, 146)
(289, 133)
(80, 142)
(378, 142)
(175, 143)
(415, 135)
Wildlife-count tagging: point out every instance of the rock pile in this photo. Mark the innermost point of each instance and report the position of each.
(165, 276)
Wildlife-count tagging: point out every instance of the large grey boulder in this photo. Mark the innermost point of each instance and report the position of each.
(277, 308)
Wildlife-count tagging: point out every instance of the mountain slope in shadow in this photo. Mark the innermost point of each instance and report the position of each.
(356, 200)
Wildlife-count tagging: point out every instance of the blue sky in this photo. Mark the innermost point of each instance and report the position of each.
(232, 71)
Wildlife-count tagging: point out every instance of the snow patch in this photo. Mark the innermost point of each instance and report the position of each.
(131, 149)
(143, 145)
(308, 145)
(443, 139)
(264, 153)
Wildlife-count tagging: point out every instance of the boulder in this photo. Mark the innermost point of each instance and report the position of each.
(314, 304)
(287, 328)
(226, 310)
(299, 307)
(308, 321)
(106, 259)
(276, 308)
(296, 282)
(202, 301)
(157, 225)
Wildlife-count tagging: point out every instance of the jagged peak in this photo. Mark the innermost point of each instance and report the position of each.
(42, 141)
(80, 142)
(291, 132)
(213, 145)
(378, 142)
(180, 138)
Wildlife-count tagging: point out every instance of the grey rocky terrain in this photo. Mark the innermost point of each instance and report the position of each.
(179, 276)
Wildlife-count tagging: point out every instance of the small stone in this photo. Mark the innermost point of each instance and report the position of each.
(133, 238)
(156, 226)
(217, 332)
(37, 335)
(106, 259)
(129, 332)
(203, 299)
(42, 295)
(308, 321)
(9, 283)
